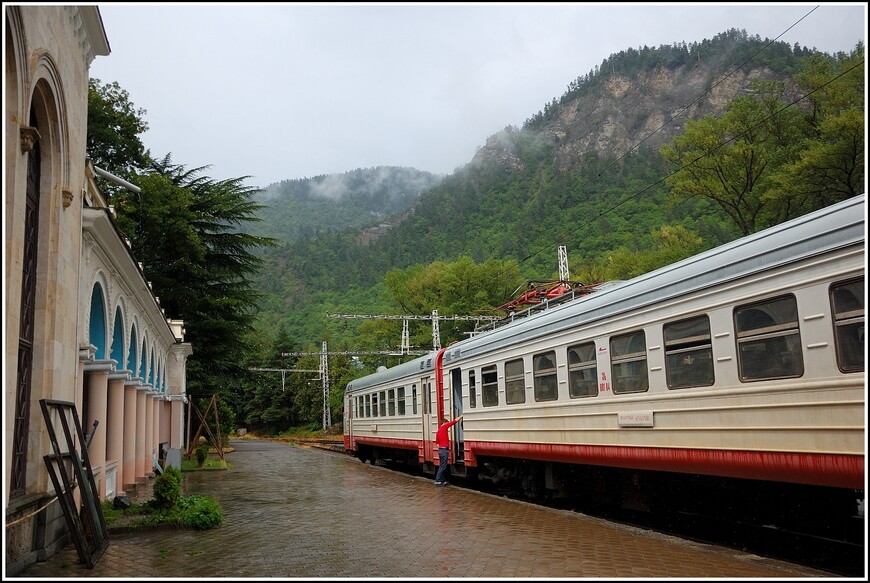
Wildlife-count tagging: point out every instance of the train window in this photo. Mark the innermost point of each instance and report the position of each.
(628, 363)
(414, 399)
(382, 401)
(514, 382)
(768, 340)
(582, 371)
(472, 390)
(489, 385)
(847, 299)
(400, 402)
(391, 401)
(426, 390)
(688, 353)
(546, 387)
(374, 404)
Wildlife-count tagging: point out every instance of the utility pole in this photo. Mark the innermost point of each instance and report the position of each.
(436, 332)
(563, 264)
(324, 373)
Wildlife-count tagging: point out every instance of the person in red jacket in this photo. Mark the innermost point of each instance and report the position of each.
(442, 440)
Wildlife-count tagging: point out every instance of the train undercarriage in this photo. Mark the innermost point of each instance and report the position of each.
(797, 506)
(666, 497)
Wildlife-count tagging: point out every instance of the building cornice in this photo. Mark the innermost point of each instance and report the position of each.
(95, 32)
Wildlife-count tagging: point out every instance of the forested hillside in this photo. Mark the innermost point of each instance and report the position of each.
(585, 172)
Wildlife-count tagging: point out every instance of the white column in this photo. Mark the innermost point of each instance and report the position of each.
(115, 419)
(155, 425)
(176, 425)
(128, 465)
(97, 387)
(149, 432)
(141, 443)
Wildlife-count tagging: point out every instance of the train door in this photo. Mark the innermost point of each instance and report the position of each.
(456, 402)
(426, 412)
(350, 408)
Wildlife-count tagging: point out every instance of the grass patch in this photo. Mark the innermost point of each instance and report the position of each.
(300, 433)
(306, 433)
(211, 463)
(197, 512)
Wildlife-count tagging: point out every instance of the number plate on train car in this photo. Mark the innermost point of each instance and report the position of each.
(635, 419)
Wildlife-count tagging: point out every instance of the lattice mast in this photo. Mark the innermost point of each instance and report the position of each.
(324, 373)
(563, 265)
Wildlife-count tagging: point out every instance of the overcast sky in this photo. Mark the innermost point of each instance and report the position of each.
(283, 91)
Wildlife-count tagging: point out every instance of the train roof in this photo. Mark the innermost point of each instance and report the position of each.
(834, 227)
(422, 364)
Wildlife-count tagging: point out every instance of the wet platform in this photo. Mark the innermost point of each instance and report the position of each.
(294, 512)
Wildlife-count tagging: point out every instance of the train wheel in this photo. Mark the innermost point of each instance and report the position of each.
(531, 482)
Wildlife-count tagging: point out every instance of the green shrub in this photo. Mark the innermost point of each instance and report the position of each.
(167, 488)
(201, 453)
(200, 512)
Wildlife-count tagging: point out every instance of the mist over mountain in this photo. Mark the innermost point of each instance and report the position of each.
(357, 199)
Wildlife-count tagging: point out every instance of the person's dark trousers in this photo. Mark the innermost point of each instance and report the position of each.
(442, 465)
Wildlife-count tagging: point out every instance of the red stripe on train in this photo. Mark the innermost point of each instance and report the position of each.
(841, 471)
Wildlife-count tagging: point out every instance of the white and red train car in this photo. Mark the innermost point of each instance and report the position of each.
(745, 363)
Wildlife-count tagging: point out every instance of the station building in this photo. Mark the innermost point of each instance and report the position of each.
(87, 343)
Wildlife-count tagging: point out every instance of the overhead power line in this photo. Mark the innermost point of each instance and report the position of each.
(323, 371)
(435, 317)
(284, 372)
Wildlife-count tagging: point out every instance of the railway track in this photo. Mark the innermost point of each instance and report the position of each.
(326, 444)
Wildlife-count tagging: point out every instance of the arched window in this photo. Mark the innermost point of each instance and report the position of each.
(97, 326)
(27, 319)
(133, 357)
(118, 340)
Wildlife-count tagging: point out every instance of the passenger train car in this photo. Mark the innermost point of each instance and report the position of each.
(737, 375)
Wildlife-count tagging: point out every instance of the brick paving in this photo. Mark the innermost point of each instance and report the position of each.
(294, 512)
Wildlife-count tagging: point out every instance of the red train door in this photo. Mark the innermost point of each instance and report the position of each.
(350, 405)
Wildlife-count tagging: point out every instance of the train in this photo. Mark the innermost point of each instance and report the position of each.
(733, 379)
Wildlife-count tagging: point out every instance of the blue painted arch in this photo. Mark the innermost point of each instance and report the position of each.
(151, 369)
(133, 355)
(97, 324)
(118, 340)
